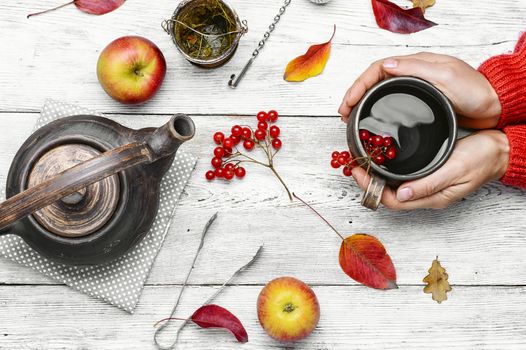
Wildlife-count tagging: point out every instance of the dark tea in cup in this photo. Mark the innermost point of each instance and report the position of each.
(419, 120)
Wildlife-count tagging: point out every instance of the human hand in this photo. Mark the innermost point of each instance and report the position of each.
(474, 99)
(476, 159)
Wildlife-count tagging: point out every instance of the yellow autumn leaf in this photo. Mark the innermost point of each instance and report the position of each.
(423, 4)
(310, 64)
(437, 283)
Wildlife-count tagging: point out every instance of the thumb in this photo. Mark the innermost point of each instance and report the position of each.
(426, 186)
(414, 67)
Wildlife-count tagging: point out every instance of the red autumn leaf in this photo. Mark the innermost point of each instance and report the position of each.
(365, 260)
(94, 7)
(215, 316)
(395, 19)
(98, 7)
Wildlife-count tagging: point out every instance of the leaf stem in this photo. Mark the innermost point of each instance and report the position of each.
(321, 216)
(53, 9)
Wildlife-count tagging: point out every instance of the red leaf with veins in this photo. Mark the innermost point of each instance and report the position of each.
(215, 316)
(395, 19)
(364, 259)
(94, 7)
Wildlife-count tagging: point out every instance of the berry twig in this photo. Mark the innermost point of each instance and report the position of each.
(228, 157)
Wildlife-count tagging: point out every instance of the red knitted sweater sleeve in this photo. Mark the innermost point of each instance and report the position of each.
(516, 173)
(507, 75)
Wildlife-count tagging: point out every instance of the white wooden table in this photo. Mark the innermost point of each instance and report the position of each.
(481, 240)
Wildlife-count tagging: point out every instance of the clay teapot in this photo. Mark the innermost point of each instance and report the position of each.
(83, 190)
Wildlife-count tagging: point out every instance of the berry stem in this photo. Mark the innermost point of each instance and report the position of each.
(321, 216)
(280, 180)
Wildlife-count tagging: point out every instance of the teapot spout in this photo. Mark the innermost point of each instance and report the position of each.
(165, 140)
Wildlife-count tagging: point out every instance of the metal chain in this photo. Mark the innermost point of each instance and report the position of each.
(235, 79)
(271, 28)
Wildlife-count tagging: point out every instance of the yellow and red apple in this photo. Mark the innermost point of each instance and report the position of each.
(288, 309)
(131, 69)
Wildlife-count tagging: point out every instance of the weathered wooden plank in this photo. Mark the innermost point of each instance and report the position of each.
(54, 317)
(55, 55)
(480, 240)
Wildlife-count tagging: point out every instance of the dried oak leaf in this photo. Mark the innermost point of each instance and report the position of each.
(437, 283)
(310, 64)
(215, 316)
(94, 7)
(395, 19)
(365, 260)
(423, 4)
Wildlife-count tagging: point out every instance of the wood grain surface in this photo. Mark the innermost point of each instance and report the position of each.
(480, 241)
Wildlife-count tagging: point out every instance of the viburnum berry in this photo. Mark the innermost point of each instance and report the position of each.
(246, 133)
(335, 155)
(228, 143)
(364, 134)
(377, 140)
(260, 134)
(272, 115)
(219, 137)
(335, 164)
(236, 130)
(390, 153)
(216, 162)
(262, 116)
(228, 151)
(236, 139)
(342, 160)
(240, 172)
(262, 126)
(276, 143)
(219, 152)
(388, 141)
(379, 159)
(229, 166)
(274, 131)
(347, 171)
(248, 144)
(229, 174)
(219, 172)
(210, 175)
(345, 154)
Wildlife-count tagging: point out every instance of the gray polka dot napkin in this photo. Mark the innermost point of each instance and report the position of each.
(120, 282)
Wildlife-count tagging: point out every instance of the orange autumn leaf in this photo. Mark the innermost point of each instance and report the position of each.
(310, 64)
(364, 259)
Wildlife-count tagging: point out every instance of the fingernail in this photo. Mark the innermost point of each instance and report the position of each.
(404, 194)
(390, 63)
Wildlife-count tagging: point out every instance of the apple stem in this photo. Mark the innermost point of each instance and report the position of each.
(53, 9)
(321, 216)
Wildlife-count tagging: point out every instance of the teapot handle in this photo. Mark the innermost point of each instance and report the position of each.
(163, 142)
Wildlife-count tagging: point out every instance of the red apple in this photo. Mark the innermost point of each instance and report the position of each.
(131, 69)
(288, 309)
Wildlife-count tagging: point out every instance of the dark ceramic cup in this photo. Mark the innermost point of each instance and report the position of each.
(427, 93)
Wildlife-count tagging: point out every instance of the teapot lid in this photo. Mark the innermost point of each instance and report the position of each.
(83, 212)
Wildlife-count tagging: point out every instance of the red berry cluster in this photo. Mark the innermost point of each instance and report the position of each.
(227, 158)
(378, 149)
(343, 158)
